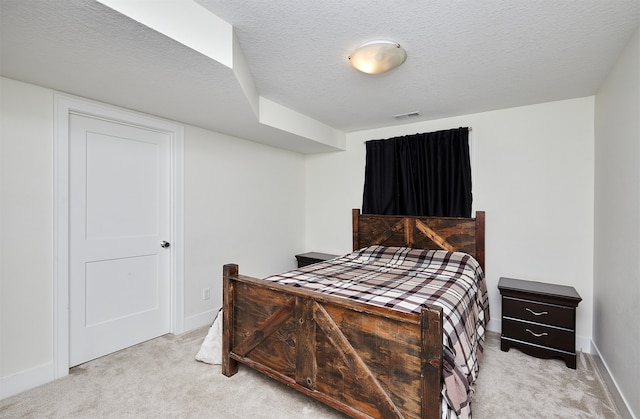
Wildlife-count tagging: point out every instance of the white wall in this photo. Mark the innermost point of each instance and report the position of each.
(26, 228)
(532, 174)
(617, 224)
(244, 203)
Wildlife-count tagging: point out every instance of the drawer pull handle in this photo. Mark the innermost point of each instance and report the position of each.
(536, 314)
(538, 335)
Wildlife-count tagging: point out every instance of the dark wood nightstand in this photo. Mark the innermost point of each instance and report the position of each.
(539, 319)
(305, 259)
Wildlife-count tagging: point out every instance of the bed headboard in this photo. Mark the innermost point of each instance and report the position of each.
(449, 233)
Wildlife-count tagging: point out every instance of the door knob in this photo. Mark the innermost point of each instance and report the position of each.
(165, 244)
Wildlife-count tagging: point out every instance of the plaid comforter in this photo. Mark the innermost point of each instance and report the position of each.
(404, 279)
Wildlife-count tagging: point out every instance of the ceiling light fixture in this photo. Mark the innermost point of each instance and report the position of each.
(377, 57)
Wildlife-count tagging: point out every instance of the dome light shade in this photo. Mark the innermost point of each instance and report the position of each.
(377, 57)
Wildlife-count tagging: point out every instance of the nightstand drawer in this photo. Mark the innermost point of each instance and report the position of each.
(537, 312)
(539, 334)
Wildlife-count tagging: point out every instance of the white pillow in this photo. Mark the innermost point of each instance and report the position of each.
(211, 349)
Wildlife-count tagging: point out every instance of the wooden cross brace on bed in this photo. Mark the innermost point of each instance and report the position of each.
(448, 233)
(364, 360)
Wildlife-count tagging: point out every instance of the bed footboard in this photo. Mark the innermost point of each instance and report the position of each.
(363, 360)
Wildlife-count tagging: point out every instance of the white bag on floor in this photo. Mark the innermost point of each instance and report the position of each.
(211, 349)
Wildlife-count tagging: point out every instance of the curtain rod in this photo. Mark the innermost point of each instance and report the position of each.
(469, 129)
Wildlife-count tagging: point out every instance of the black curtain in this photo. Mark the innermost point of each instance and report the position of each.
(425, 174)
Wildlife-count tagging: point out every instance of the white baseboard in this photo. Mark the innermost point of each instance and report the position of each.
(621, 402)
(200, 320)
(494, 326)
(583, 344)
(26, 380)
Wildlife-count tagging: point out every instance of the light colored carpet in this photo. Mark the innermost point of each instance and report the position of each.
(514, 385)
(161, 379)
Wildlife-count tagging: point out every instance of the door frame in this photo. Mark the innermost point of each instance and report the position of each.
(65, 105)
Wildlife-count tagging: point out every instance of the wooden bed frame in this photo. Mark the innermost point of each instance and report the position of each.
(363, 360)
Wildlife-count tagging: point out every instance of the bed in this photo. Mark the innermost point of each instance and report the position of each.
(367, 359)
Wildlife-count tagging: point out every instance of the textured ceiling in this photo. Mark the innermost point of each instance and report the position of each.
(463, 57)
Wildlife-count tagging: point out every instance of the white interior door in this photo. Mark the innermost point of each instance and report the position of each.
(119, 215)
